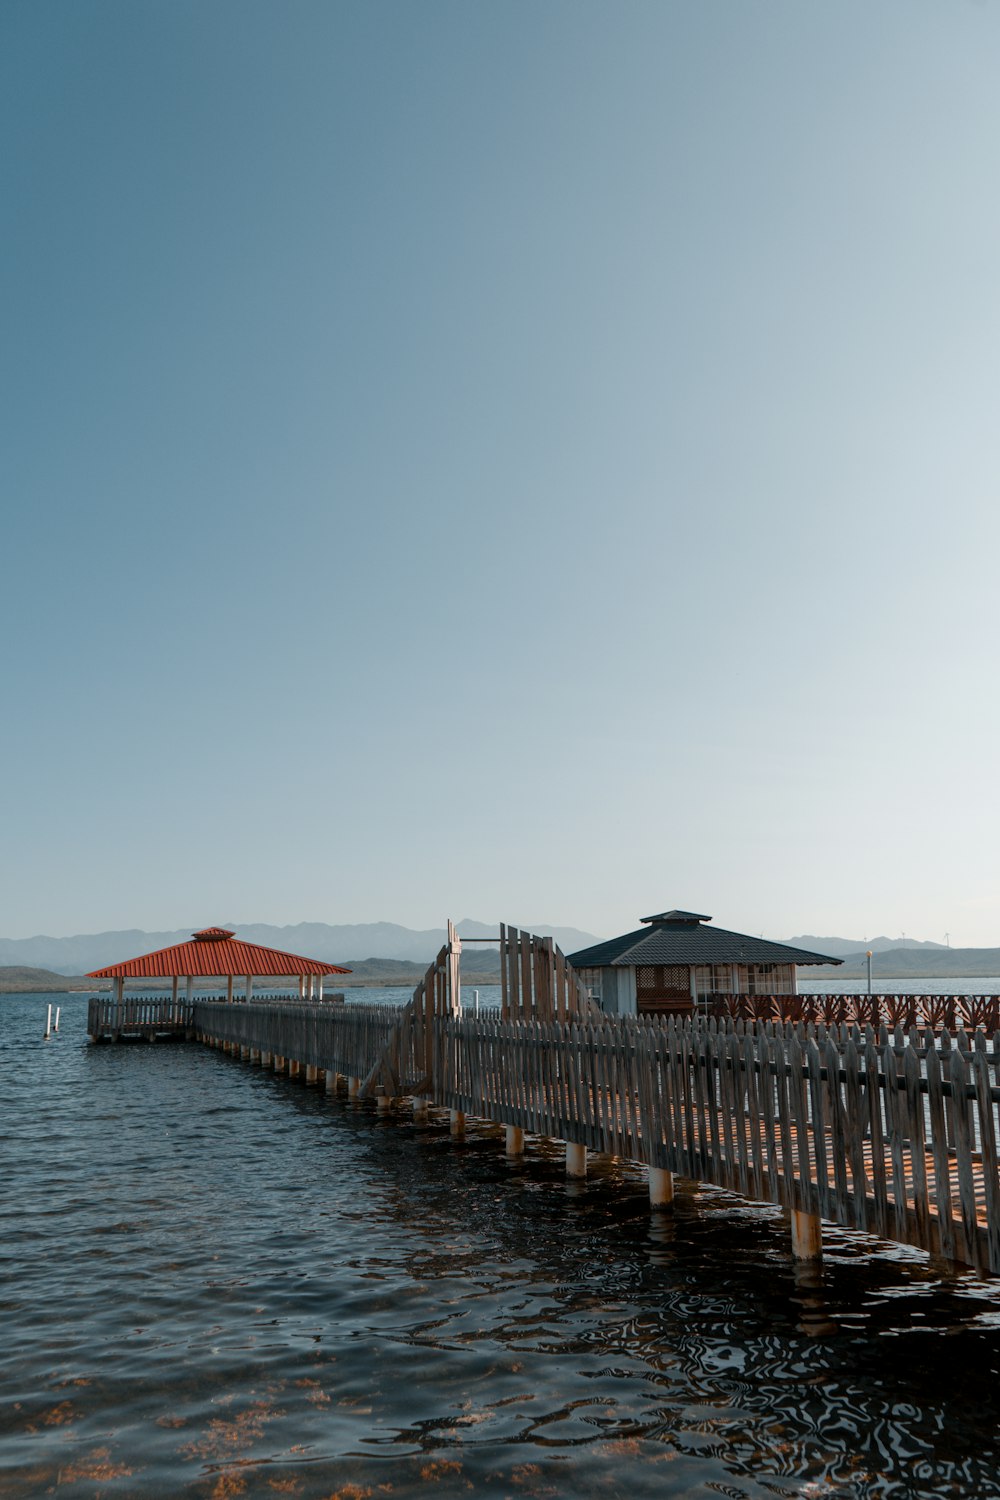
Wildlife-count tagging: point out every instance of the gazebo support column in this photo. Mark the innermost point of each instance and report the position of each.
(229, 989)
(249, 988)
(173, 999)
(319, 988)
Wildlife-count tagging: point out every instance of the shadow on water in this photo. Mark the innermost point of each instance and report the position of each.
(216, 1282)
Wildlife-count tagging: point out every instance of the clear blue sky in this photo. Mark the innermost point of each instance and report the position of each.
(533, 462)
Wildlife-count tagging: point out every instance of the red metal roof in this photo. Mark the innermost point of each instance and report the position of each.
(211, 952)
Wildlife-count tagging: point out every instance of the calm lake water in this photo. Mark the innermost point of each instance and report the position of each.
(216, 1282)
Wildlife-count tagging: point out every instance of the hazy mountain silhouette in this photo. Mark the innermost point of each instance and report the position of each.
(333, 944)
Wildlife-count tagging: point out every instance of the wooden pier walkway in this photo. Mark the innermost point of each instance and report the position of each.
(888, 1130)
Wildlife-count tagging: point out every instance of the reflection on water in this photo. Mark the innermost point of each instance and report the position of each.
(215, 1282)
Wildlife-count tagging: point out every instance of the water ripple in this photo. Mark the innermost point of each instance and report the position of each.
(215, 1282)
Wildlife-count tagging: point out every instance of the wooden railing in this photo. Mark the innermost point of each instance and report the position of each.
(339, 1038)
(537, 982)
(938, 1011)
(141, 1016)
(894, 1135)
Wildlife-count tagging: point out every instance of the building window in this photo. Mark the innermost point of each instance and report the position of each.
(713, 979)
(769, 979)
(590, 979)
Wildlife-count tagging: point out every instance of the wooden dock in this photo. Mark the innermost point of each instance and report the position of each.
(891, 1130)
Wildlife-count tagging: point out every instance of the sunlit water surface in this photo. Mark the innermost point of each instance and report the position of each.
(217, 1282)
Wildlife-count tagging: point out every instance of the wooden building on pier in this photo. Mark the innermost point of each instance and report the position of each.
(675, 962)
(216, 953)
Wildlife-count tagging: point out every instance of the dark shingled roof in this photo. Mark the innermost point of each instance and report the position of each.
(683, 937)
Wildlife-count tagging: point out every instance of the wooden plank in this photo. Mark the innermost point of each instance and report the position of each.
(504, 998)
(918, 1155)
(988, 1139)
(943, 1201)
(838, 1141)
(963, 1156)
(854, 1130)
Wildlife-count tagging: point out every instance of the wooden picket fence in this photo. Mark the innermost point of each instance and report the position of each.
(895, 1135)
(141, 1016)
(537, 981)
(336, 1038)
(937, 1011)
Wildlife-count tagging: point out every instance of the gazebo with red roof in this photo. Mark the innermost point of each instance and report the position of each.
(216, 953)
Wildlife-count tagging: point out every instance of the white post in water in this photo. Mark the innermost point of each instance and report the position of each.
(56, 1026)
(48, 1024)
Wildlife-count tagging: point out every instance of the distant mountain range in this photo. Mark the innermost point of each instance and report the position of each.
(836, 947)
(330, 944)
(396, 954)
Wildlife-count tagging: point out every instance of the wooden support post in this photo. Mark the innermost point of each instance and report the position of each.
(173, 999)
(312, 1074)
(661, 1188)
(331, 1081)
(279, 1064)
(249, 988)
(319, 988)
(383, 1102)
(229, 989)
(266, 1060)
(576, 1160)
(807, 1236)
(353, 1087)
(515, 1140)
(302, 986)
(458, 1122)
(190, 992)
(420, 1106)
(294, 1069)
(255, 1054)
